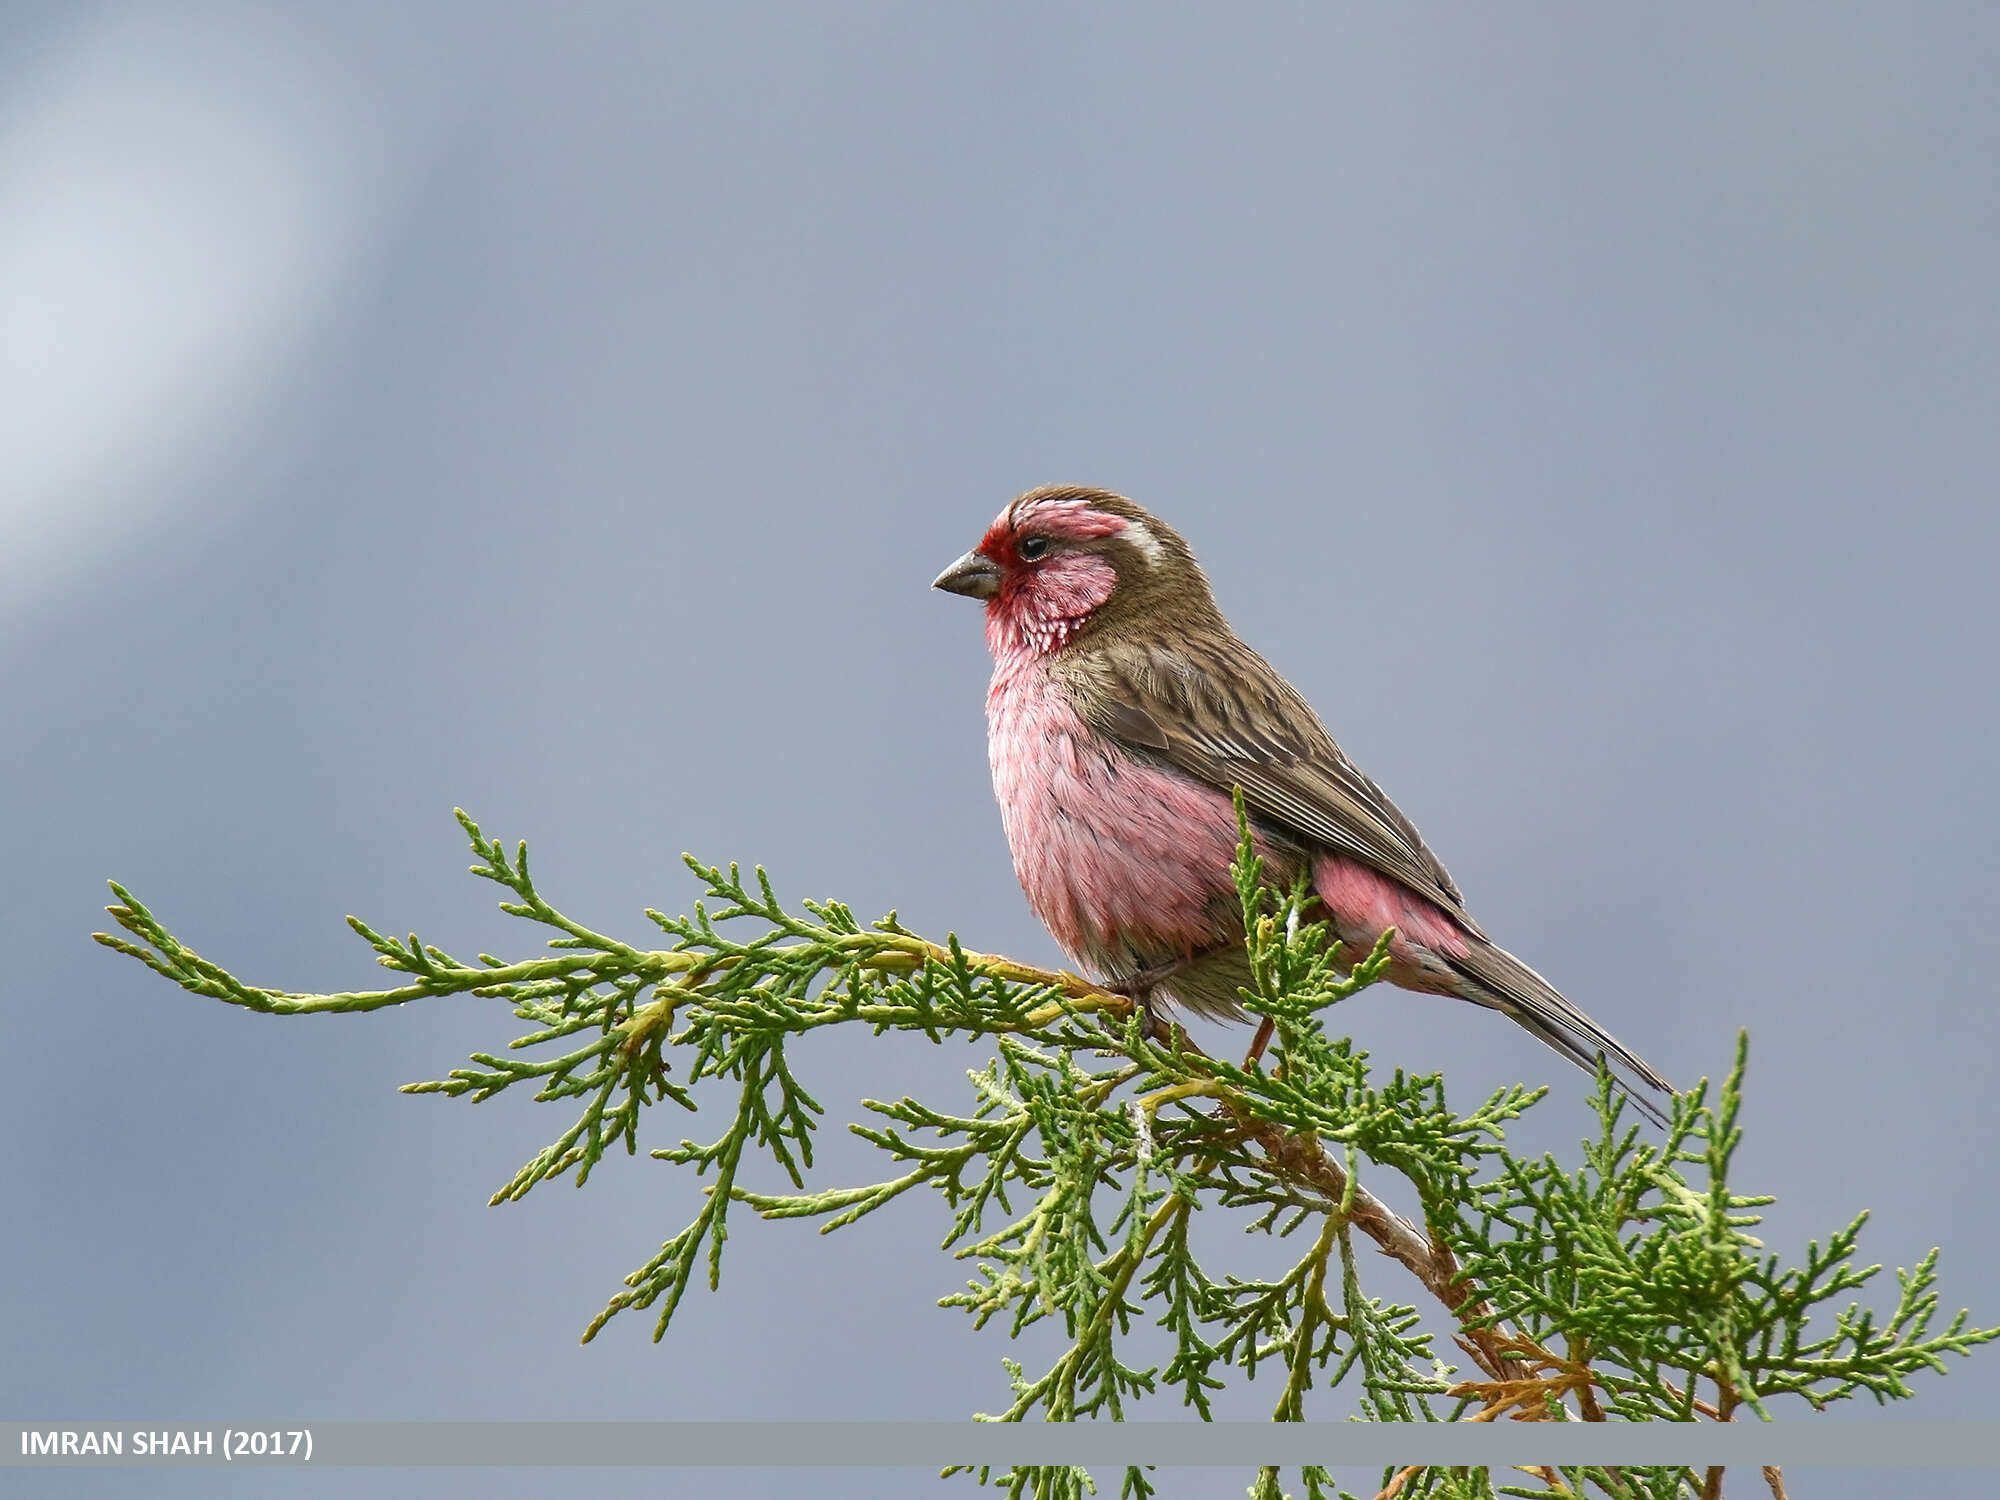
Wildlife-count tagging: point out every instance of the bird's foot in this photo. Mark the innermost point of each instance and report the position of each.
(1139, 986)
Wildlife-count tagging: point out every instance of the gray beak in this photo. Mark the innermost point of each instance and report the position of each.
(972, 575)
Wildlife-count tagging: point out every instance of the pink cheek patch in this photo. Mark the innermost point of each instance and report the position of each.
(1040, 607)
(1071, 585)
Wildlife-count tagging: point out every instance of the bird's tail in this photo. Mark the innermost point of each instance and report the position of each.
(1494, 977)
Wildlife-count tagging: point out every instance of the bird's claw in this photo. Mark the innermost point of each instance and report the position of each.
(1139, 987)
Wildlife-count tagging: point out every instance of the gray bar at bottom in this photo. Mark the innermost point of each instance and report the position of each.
(937, 1444)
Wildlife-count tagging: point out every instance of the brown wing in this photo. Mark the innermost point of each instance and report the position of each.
(1218, 711)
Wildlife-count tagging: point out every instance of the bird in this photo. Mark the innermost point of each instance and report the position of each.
(1123, 715)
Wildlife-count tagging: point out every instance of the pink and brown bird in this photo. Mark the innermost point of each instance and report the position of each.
(1122, 713)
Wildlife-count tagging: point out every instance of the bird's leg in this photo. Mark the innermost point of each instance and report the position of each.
(1266, 1028)
(1140, 986)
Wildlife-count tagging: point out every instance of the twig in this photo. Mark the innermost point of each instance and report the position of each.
(1428, 1259)
(1530, 1395)
(1586, 1393)
(1775, 1478)
(1680, 1395)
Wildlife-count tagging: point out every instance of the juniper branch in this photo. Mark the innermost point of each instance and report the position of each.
(1638, 1265)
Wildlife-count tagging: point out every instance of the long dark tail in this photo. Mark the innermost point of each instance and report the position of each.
(1494, 977)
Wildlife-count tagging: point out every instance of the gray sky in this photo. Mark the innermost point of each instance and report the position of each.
(1592, 411)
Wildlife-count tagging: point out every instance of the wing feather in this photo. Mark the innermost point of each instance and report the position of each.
(1221, 713)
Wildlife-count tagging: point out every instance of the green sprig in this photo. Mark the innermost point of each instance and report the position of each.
(1626, 1287)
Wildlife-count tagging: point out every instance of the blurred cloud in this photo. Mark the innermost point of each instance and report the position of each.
(184, 198)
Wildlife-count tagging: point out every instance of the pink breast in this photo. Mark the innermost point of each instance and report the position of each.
(1125, 863)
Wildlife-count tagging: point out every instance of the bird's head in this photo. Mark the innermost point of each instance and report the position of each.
(1064, 557)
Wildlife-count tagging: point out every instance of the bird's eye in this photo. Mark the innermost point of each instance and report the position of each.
(1032, 547)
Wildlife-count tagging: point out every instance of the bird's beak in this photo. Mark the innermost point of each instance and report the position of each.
(972, 575)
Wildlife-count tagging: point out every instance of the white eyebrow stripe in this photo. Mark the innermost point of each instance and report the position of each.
(1140, 535)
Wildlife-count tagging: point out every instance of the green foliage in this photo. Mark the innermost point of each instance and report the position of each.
(1627, 1287)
